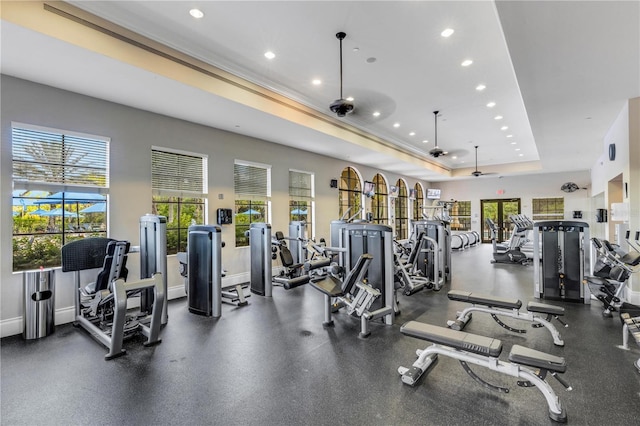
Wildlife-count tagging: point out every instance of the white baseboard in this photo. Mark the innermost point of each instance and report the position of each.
(13, 326)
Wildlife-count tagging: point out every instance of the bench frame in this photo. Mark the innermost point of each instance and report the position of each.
(633, 331)
(463, 317)
(428, 357)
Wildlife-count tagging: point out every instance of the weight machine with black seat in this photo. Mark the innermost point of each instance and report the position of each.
(101, 306)
(558, 272)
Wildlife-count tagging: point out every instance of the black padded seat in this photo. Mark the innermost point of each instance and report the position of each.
(480, 299)
(543, 308)
(521, 355)
(456, 339)
(329, 285)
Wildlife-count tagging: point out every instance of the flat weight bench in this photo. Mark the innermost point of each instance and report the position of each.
(498, 306)
(527, 364)
(631, 326)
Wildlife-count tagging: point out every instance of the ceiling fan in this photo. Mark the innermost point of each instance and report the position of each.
(477, 172)
(436, 151)
(569, 187)
(341, 107)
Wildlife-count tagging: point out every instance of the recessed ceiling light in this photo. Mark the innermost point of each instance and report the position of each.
(480, 87)
(466, 62)
(350, 99)
(396, 125)
(520, 155)
(356, 49)
(269, 55)
(447, 32)
(425, 141)
(504, 127)
(498, 117)
(517, 149)
(455, 157)
(514, 143)
(196, 13)
(509, 136)
(316, 82)
(376, 114)
(491, 104)
(412, 134)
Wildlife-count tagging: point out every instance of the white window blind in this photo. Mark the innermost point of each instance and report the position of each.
(251, 180)
(178, 174)
(44, 156)
(300, 184)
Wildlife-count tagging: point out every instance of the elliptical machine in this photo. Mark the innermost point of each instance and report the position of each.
(503, 253)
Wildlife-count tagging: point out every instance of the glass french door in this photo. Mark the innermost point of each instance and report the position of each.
(498, 211)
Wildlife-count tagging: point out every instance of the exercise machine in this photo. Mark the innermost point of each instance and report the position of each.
(153, 258)
(261, 256)
(529, 365)
(499, 306)
(560, 260)
(612, 268)
(439, 231)
(101, 306)
(377, 240)
(409, 277)
(352, 294)
(203, 278)
(506, 253)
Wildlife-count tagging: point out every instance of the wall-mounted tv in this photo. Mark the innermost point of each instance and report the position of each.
(412, 193)
(433, 194)
(369, 188)
(394, 191)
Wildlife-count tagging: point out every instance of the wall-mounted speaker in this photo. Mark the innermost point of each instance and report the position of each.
(333, 183)
(601, 215)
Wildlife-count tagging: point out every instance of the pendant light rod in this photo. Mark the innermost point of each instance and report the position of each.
(340, 36)
(435, 117)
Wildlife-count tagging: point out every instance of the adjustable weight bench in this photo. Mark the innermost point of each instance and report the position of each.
(527, 364)
(498, 306)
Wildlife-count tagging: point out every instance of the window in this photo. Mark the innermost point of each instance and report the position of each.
(402, 213)
(178, 181)
(350, 192)
(548, 208)
(252, 185)
(60, 182)
(418, 203)
(379, 203)
(301, 194)
(461, 216)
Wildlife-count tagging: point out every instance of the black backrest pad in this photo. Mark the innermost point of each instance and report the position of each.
(456, 339)
(416, 249)
(356, 273)
(285, 256)
(87, 253)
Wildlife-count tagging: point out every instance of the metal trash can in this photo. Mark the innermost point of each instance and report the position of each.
(39, 303)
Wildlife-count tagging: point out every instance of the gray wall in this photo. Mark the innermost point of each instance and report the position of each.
(133, 132)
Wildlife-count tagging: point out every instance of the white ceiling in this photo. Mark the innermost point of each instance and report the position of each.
(559, 73)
